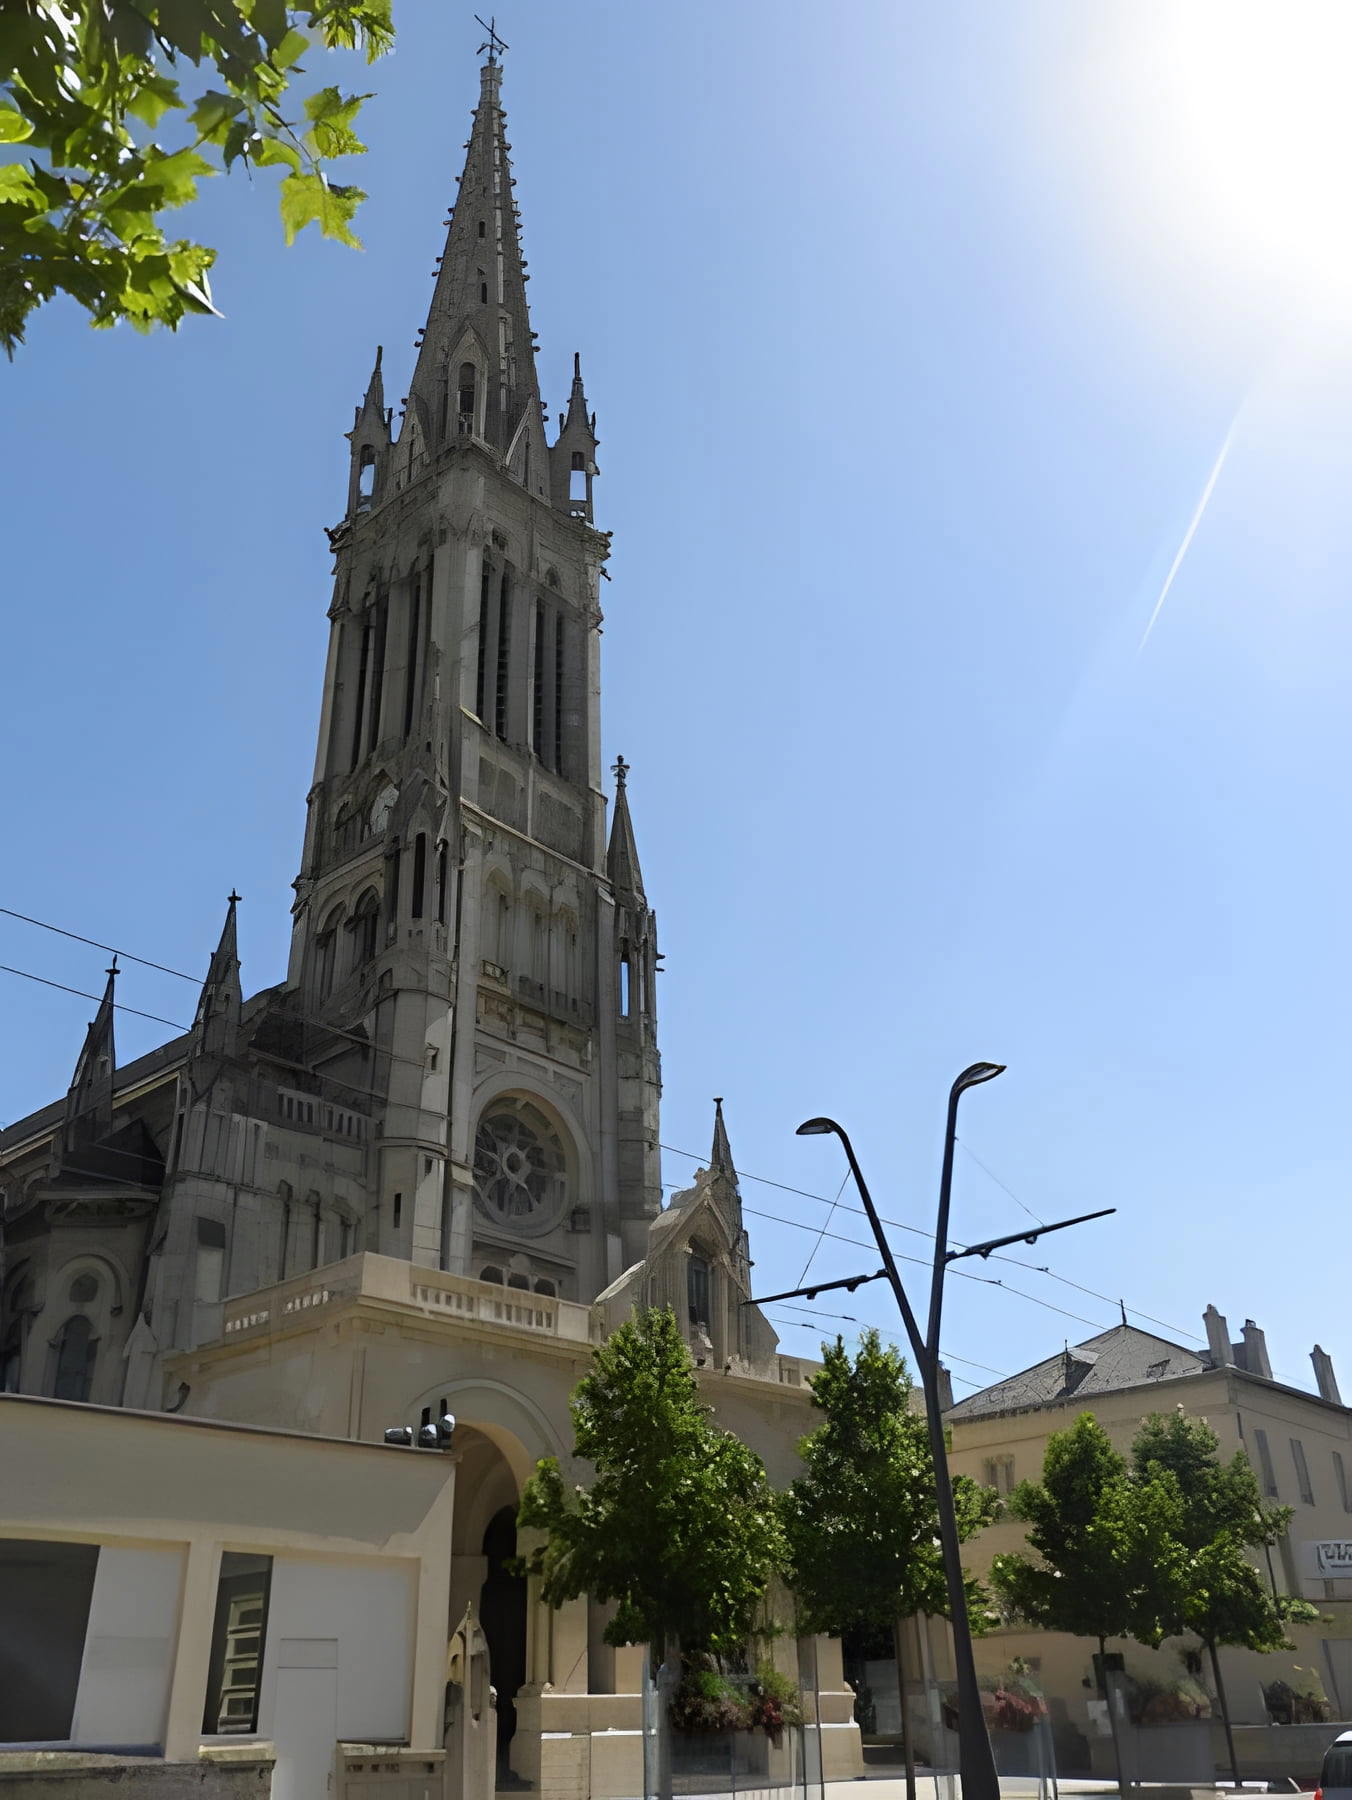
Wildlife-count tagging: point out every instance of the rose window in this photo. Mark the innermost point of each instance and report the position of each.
(519, 1169)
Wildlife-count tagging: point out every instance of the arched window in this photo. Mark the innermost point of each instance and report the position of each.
(76, 1350)
(491, 1273)
(697, 1289)
(499, 926)
(520, 1172)
(84, 1288)
(545, 1286)
(365, 929)
(326, 953)
(465, 398)
(366, 477)
(577, 477)
(518, 1281)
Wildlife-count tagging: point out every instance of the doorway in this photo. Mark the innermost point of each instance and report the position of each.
(502, 1614)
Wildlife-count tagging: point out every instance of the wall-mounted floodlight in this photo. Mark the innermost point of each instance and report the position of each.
(431, 1434)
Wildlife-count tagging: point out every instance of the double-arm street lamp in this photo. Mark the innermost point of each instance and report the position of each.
(979, 1779)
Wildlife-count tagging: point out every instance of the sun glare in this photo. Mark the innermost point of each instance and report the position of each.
(1259, 92)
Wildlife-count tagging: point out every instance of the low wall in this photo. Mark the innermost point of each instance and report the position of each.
(69, 1775)
(1191, 1754)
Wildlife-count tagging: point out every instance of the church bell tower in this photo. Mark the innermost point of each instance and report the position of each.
(471, 949)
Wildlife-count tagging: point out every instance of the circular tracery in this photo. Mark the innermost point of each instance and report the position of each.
(520, 1173)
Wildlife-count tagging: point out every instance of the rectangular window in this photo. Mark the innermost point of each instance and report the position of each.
(237, 1637)
(537, 700)
(1340, 1476)
(377, 695)
(419, 873)
(502, 689)
(1267, 1474)
(210, 1261)
(998, 1472)
(558, 695)
(359, 694)
(414, 644)
(45, 1592)
(485, 609)
(1302, 1472)
(441, 882)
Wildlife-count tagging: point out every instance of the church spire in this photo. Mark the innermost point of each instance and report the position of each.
(475, 376)
(622, 855)
(216, 1026)
(89, 1102)
(720, 1157)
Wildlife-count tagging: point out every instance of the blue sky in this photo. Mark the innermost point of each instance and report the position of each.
(913, 339)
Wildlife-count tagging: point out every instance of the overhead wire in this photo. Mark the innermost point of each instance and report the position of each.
(372, 1048)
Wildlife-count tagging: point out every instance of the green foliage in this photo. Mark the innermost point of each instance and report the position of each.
(1101, 1563)
(1152, 1701)
(708, 1701)
(861, 1523)
(679, 1526)
(86, 86)
(1218, 1517)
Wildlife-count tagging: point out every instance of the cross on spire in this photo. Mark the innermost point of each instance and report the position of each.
(620, 770)
(495, 43)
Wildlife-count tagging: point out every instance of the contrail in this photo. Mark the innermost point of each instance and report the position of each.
(1190, 533)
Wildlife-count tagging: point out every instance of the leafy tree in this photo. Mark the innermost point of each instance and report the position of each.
(679, 1526)
(104, 142)
(1219, 1517)
(1101, 1546)
(861, 1523)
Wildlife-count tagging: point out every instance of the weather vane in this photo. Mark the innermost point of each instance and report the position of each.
(495, 43)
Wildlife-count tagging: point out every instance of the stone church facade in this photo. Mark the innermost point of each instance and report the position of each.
(425, 1167)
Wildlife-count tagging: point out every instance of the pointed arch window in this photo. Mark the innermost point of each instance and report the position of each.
(326, 953)
(76, 1353)
(466, 398)
(697, 1286)
(577, 477)
(365, 929)
(366, 478)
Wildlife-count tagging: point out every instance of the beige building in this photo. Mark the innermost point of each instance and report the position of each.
(221, 1604)
(1300, 1445)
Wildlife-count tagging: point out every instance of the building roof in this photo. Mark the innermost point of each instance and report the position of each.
(1123, 1357)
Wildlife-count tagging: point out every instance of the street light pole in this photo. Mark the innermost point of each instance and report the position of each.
(979, 1779)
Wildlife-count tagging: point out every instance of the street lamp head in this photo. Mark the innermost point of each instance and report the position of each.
(978, 1073)
(817, 1128)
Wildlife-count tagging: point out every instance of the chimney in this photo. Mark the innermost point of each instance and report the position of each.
(945, 1385)
(1325, 1380)
(1255, 1351)
(1218, 1336)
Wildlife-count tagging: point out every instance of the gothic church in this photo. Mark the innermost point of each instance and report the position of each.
(425, 1167)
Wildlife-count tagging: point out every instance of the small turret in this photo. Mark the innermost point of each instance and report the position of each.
(572, 460)
(215, 1029)
(370, 441)
(89, 1101)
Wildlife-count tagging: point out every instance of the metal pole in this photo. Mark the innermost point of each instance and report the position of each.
(979, 1779)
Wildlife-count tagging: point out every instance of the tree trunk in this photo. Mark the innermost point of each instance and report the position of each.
(898, 1628)
(1112, 1719)
(1225, 1713)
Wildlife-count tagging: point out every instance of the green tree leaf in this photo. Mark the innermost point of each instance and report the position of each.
(14, 128)
(679, 1527)
(861, 1524)
(85, 216)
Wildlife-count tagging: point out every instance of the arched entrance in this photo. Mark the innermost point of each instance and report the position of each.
(502, 1614)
